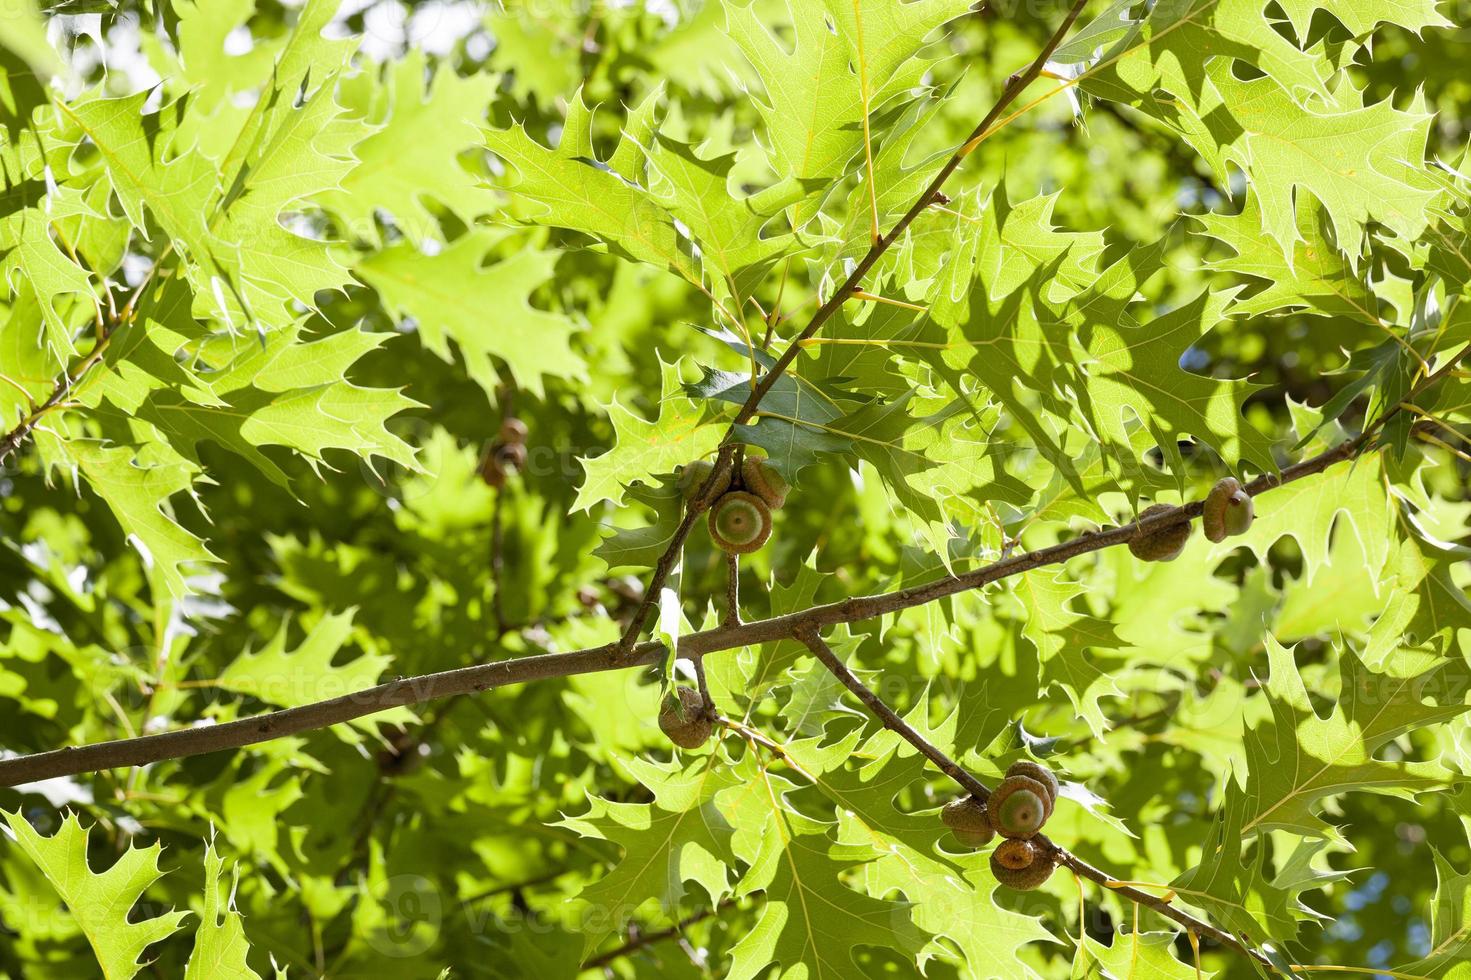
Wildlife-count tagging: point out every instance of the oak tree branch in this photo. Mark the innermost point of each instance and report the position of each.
(482, 677)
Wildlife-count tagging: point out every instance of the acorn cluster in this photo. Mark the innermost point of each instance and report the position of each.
(740, 518)
(506, 455)
(1227, 511)
(1016, 810)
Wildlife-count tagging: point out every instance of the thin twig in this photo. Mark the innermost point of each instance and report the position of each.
(1014, 86)
(644, 939)
(732, 590)
(69, 380)
(887, 715)
(497, 561)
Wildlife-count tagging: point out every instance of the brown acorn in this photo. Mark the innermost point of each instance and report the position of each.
(1228, 510)
(682, 718)
(740, 522)
(1034, 875)
(1039, 772)
(511, 456)
(1019, 807)
(500, 460)
(1160, 544)
(513, 430)
(765, 481)
(967, 820)
(1016, 855)
(692, 477)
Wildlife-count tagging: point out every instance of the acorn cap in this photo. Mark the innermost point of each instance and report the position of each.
(1019, 807)
(682, 718)
(1028, 878)
(1160, 544)
(764, 480)
(967, 820)
(1016, 855)
(740, 522)
(1039, 772)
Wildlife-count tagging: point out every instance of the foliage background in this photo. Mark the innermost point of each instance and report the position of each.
(347, 271)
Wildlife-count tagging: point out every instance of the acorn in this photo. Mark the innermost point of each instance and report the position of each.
(1039, 772)
(1027, 877)
(1019, 807)
(740, 522)
(500, 460)
(511, 456)
(1160, 544)
(1228, 510)
(1016, 855)
(967, 820)
(682, 718)
(692, 477)
(764, 480)
(513, 430)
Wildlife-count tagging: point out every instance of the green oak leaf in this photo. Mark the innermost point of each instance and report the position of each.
(643, 449)
(1450, 926)
(1232, 888)
(220, 946)
(811, 916)
(567, 191)
(100, 903)
(137, 482)
(1316, 278)
(840, 62)
(679, 837)
(426, 122)
(481, 299)
(287, 678)
(1064, 638)
(1301, 756)
(25, 37)
(1142, 956)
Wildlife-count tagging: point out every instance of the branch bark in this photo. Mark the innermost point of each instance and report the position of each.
(1014, 86)
(482, 677)
(891, 720)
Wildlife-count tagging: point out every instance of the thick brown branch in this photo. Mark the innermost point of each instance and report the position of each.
(470, 680)
(1014, 86)
(976, 788)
